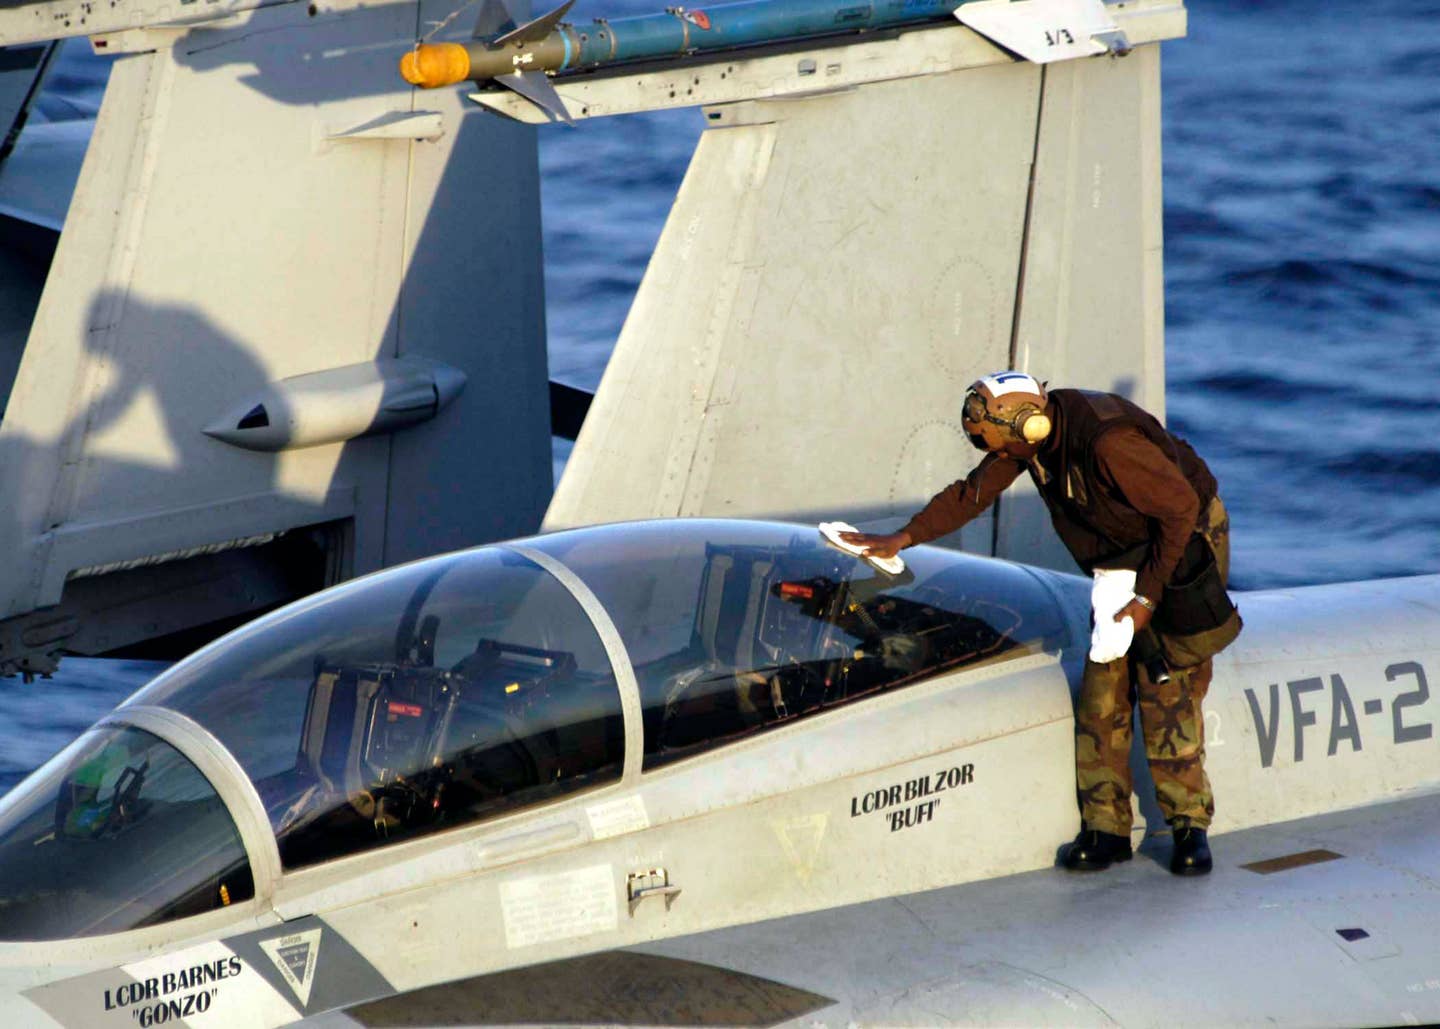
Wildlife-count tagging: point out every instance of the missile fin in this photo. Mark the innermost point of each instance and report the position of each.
(535, 86)
(536, 30)
(1043, 31)
(495, 19)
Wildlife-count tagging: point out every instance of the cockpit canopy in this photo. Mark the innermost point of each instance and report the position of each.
(453, 690)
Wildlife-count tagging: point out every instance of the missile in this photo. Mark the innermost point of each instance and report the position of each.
(523, 58)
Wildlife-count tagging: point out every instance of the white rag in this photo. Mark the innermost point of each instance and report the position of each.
(832, 530)
(1110, 640)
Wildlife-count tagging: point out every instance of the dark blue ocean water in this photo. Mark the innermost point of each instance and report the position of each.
(1302, 268)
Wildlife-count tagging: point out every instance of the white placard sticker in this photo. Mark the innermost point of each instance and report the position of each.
(545, 908)
(617, 817)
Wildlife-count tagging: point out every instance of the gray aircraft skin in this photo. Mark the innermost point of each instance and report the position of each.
(598, 792)
(718, 772)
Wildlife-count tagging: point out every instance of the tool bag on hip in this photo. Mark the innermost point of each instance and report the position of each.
(1196, 619)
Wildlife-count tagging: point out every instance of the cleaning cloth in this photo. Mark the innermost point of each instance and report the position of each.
(1113, 589)
(890, 565)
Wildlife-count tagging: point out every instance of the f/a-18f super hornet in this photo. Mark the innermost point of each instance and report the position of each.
(705, 772)
(673, 772)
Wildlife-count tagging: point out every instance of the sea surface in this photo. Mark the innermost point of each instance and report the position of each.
(1302, 270)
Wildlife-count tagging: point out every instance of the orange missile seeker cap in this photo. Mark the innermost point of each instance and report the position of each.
(432, 65)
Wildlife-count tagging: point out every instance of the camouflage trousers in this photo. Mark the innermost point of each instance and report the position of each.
(1171, 719)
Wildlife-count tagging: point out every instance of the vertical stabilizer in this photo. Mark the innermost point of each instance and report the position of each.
(23, 244)
(838, 267)
(240, 222)
(1092, 308)
(22, 69)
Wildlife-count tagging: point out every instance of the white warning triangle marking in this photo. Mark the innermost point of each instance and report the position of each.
(800, 838)
(295, 956)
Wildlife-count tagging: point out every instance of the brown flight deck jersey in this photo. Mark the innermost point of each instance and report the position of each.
(1113, 479)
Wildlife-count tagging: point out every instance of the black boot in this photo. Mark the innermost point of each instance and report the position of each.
(1192, 852)
(1093, 851)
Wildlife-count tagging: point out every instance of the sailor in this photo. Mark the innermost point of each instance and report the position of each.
(1126, 495)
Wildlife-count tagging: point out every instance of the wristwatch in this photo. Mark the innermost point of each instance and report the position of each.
(1145, 602)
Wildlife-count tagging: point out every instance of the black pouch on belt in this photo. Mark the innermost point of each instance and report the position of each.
(1195, 619)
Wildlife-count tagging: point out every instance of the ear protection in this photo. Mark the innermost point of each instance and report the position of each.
(1030, 424)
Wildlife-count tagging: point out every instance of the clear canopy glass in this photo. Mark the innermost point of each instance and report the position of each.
(120, 832)
(410, 702)
(735, 627)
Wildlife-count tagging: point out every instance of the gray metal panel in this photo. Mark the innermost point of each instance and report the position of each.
(208, 256)
(21, 68)
(473, 297)
(22, 22)
(1134, 945)
(1092, 304)
(1092, 309)
(814, 311)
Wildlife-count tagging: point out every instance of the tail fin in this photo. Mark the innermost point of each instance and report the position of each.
(306, 239)
(537, 29)
(801, 342)
(495, 19)
(535, 86)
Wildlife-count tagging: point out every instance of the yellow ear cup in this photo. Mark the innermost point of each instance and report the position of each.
(1035, 428)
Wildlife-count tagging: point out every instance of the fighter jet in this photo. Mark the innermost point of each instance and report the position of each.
(669, 772)
(718, 772)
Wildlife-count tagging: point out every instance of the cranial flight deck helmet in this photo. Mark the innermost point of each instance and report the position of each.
(1005, 408)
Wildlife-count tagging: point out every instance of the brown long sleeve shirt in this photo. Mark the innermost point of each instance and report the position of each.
(1129, 466)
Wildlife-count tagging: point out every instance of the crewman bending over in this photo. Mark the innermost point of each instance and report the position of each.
(1126, 497)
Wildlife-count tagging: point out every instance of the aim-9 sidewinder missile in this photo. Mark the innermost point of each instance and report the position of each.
(523, 58)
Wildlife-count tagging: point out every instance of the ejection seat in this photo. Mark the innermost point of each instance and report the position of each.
(396, 748)
(751, 654)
